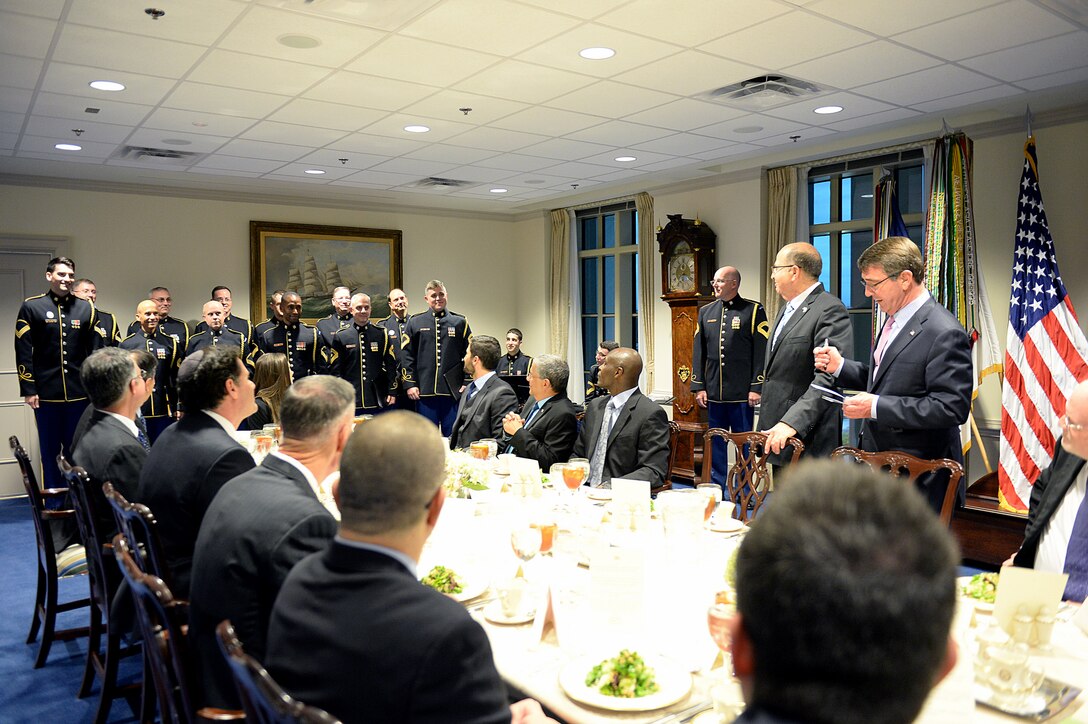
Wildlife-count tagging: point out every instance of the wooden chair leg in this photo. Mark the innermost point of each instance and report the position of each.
(48, 616)
(39, 604)
(108, 691)
(94, 642)
(147, 692)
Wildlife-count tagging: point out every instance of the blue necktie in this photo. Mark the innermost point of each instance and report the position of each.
(1076, 556)
(471, 392)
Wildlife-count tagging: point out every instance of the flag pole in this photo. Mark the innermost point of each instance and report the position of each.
(1028, 118)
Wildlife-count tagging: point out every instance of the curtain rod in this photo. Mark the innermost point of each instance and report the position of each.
(590, 205)
(860, 154)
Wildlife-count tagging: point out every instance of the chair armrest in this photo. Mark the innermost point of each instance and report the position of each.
(54, 492)
(57, 514)
(208, 713)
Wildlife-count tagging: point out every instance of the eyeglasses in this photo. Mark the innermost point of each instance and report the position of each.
(873, 285)
(776, 267)
(1070, 425)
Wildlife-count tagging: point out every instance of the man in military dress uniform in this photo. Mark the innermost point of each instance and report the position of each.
(727, 361)
(216, 333)
(339, 319)
(243, 327)
(274, 317)
(85, 289)
(170, 326)
(160, 409)
(365, 355)
(394, 326)
(301, 343)
(514, 362)
(432, 352)
(54, 333)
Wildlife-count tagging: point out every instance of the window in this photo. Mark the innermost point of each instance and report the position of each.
(608, 269)
(841, 225)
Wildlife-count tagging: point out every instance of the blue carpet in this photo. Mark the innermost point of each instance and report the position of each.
(47, 694)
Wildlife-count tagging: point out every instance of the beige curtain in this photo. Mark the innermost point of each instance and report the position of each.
(644, 205)
(560, 282)
(781, 222)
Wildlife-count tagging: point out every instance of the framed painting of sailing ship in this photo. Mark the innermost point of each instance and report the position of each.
(313, 260)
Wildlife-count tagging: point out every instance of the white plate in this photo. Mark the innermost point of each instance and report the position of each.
(674, 684)
(599, 493)
(725, 524)
(493, 612)
(980, 605)
(470, 587)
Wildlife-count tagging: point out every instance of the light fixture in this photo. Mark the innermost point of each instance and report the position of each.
(68, 147)
(417, 129)
(596, 53)
(314, 171)
(498, 191)
(828, 110)
(107, 85)
(300, 42)
(626, 159)
(748, 129)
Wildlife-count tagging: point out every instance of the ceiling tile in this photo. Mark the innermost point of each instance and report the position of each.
(691, 22)
(291, 133)
(194, 21)
(579, 170)
(447, 104)
(620, 175)
(729, 153)
(331, 157)
(888, 18)
(201, 98)
(421, 61)
(689, 73)
(298, 170)
(66, 158)
(237, 163)
(1026, 61)
(515, 162)
(327, 115)
(864, 64)
(123, 51)
(19, 72)
(852, 105)
(24, 35)
(585, 9)
(686, 114)
(496, 139)
(767, 125)
(486, 25)
(909, 90)
(478, 174)
(683, 144)
(674, 162)
(540, 180)
(788, 138)
(11, 122)
(383, 178)
(219, 173)
(41, 8)
(381, 15)
(44, 145)
(369, 91)
(631, 51)
(875, 119)
(250, 72)
(193, 143)
(617, 98)
(260, 149)
(524, 82)
(1053, 80)
(74, 80)
(414, 167)
(379, 145)
(548, 121)
(963, 100)
(260, 30)
(564, 149)
(8, 141)
(74, 107)
(393, 125)
(62, 129)
(642, 158)
(793, 35)
(450, 154)
(996, 28)
(620, 133)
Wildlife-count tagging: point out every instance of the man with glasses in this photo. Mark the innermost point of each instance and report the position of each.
(919, 379)
(792, 404)
(170, 326)
(1056, 537)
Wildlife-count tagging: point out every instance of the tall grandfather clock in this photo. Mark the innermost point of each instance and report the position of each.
(688, 250)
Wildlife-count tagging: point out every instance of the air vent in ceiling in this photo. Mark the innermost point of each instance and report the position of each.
(158, 156)
(434, 182)
(763, 91)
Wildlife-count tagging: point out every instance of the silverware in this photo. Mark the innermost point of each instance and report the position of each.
(684, 714)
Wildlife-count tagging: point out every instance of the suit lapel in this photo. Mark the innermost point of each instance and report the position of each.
(793, 321)
(621, 418)
(902, 340)
(289, 471)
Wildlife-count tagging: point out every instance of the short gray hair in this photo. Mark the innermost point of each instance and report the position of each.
(313, 405)
(106, 374)
(383, 490)
(894, 255)
(553, 369)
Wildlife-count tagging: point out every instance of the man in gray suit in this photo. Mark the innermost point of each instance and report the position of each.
(810, 317)
(263, 522)
(486, 400)
(625, 435)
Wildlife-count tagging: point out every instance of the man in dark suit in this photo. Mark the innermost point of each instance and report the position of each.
(353, 631)
(364, 355)
(790, 405)
(624, 435)
(487, 399)
(1056, 537)
(261, 524)
(548, 425)
(870, 574)
(194, 458)
(919, 380)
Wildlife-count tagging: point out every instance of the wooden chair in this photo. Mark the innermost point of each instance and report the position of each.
(163, 622)
(674, 450)
(748, 480)
(902, 465)
(137, 523)
(46, 607)
(102, 659)
(263, 700)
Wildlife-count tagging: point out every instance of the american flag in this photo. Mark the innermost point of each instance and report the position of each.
(1045, 350)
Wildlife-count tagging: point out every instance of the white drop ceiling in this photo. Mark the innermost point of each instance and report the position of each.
(227, 81)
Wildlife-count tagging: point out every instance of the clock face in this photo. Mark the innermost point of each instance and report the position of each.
(682, 273)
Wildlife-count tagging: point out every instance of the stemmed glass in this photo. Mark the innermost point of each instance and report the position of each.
(526, 541)
(717, 620)
(575, 473)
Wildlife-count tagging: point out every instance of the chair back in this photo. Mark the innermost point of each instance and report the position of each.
(748, 480)
(902, 465)
(674, 454)
(103, 582)
(263, 700)
(137, 524)
(47, 553)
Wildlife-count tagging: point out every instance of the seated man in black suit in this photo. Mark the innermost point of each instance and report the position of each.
(109, 448)
(261, 524)
(870, 574)
(193, 459)
(1056, 538)
(353, 631)
(624, 435)
(547, 426)
(486, 400)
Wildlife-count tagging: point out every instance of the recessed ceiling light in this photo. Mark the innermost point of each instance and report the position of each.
(302, 42)
(417, 129)
(596, 53)
(314, 171)
(748, 129)
(827, 110)
(68, 147)
(107, 85)
(626, 159)
(498, 191)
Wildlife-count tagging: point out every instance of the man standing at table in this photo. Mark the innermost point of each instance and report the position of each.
(340, 317)
(364, 355)
(215, 333)
(791, 406)
(728, 353)
(303, 344)
(161, 408)
(170, 326)
(354, 632)
(432, 357)
(394, 326)
(547, 426)
(487, 400)
(243, 327)
(260, 524)
(275, 316)
(54, 333)
(919, 380)
(86, 289)
(624, 435)
(514, 362)
(870, 575)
